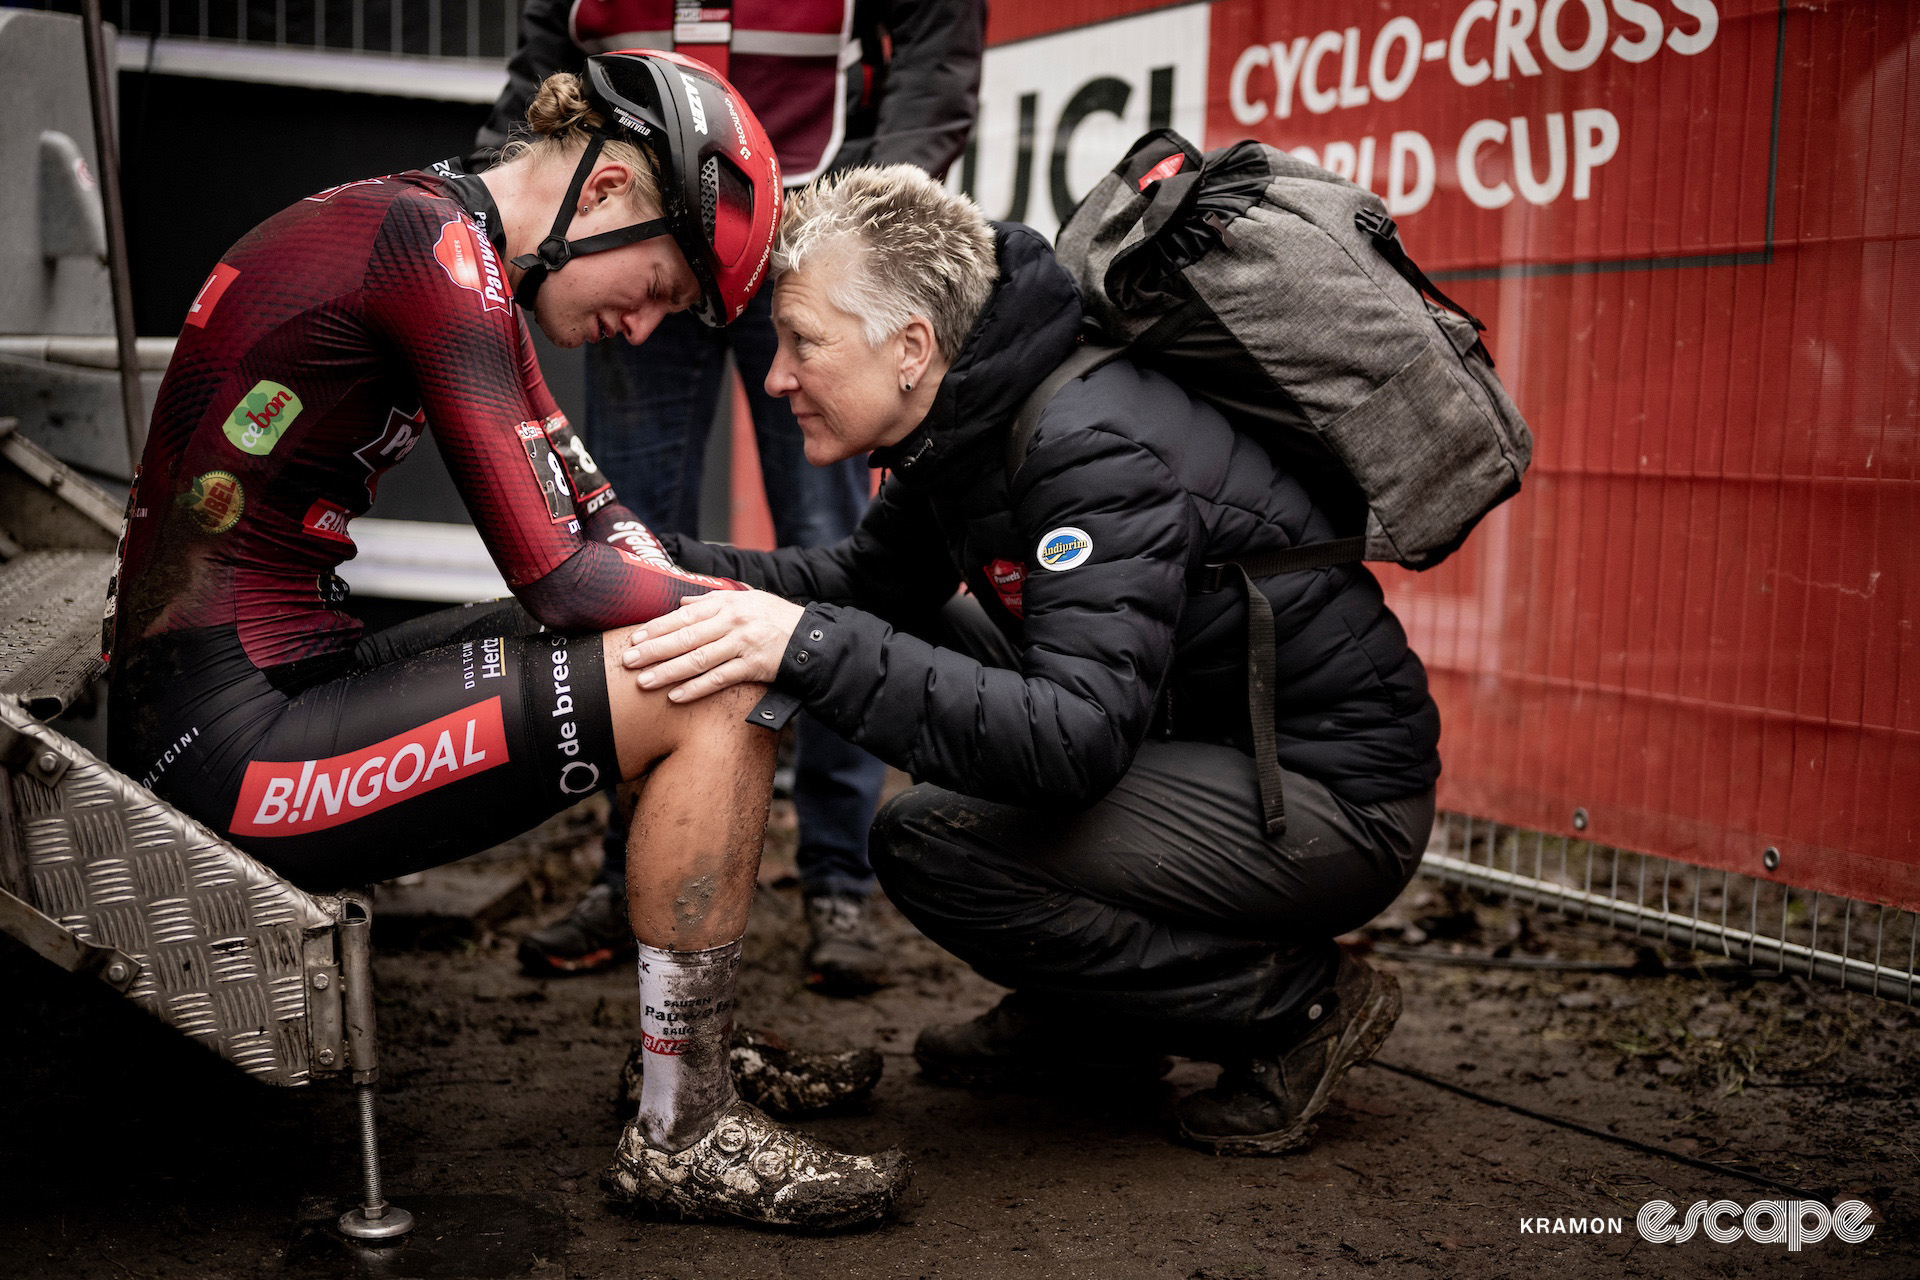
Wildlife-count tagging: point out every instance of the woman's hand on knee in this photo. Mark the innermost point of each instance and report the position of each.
(712, 642)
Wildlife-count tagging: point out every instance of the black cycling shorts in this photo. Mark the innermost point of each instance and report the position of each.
(430, 741)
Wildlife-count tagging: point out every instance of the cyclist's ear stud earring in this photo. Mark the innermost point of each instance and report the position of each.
(906, 386)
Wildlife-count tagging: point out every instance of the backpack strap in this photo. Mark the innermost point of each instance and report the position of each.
(1386, 238)
(1084, 360)
(1261, 674)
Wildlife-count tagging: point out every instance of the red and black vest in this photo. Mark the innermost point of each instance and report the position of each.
(789, 58)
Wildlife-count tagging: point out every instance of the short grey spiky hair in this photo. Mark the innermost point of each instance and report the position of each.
(919, 250)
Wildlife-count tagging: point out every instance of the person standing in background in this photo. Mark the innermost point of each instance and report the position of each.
(837, 83)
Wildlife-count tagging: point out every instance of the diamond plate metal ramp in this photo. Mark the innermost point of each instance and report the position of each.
(98, 875)
(229, 953)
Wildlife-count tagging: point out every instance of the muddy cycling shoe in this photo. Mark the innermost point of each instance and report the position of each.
(752, 1169)
(843, 955)
(1265, 1105)
(786, 1083)
(594, 937)
(1022, 1043)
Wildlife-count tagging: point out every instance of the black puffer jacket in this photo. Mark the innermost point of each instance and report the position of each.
(1159, 485)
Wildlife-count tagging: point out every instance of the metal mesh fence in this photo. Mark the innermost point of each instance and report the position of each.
(480, 29)
(1855, 945)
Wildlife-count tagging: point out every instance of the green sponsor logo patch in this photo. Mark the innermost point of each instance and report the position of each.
(262, 417)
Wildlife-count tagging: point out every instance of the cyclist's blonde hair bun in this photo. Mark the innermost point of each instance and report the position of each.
(559, 121)
(561, 107)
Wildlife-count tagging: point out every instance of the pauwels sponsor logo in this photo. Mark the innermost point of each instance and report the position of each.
(214, 500)
(1009, 579)
(210, 294)
(262, 417)
(576, 777)
(295, 797)
(467, 258)
(328, 520)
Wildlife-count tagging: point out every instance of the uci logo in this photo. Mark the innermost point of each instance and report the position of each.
(1063, 548)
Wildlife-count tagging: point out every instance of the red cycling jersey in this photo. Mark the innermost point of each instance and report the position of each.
(321, 348)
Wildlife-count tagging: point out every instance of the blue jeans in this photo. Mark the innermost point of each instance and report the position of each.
(649, 409)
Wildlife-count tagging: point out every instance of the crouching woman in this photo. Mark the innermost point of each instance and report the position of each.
(1088, 828)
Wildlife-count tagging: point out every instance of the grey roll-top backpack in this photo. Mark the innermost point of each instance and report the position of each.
(1281, 293)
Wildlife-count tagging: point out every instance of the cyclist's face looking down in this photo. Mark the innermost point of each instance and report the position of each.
(622, 292)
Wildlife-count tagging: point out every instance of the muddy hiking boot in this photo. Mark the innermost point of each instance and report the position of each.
(1022, 1043)
(1265, 1105)
(752, 1169)
(594, 936)
(843, 955)
(786, 1083)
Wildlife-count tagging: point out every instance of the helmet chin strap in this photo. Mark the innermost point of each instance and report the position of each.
(556, 250)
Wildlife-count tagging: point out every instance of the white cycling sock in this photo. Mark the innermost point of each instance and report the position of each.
(686, 1020)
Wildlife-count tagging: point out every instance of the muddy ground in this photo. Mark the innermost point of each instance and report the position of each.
(128, 1152)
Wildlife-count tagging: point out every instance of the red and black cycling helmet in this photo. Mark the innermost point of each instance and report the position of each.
(719, 177)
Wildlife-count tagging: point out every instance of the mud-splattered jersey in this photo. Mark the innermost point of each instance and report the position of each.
(317, 354)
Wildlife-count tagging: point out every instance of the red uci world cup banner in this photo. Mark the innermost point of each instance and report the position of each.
(1549, 131)
(1693, 228)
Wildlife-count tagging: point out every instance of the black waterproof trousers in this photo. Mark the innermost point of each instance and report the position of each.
(1163, 914)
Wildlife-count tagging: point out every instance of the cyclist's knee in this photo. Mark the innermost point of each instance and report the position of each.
(648, 726)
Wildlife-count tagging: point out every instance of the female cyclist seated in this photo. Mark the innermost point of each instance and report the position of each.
(320, 350)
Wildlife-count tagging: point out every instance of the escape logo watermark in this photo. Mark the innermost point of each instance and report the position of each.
(1790, 1222)
(1794, 1223)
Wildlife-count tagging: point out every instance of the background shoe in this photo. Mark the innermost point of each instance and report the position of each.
(1265, 1105)
(1023, 1043)
(595, 935)
(786, 1083)
(749, 1168)
(843, 957)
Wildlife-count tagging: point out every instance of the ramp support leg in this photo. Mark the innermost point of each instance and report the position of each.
(375, 1219)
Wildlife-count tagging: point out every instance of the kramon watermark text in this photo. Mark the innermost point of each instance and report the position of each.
(1794, 1223)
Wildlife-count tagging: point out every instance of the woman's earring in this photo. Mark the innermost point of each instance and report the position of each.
(906, 386)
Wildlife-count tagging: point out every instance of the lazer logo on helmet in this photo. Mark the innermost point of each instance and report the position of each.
(693, 102)
(295, 797)
(464, 254)
(261, 418)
